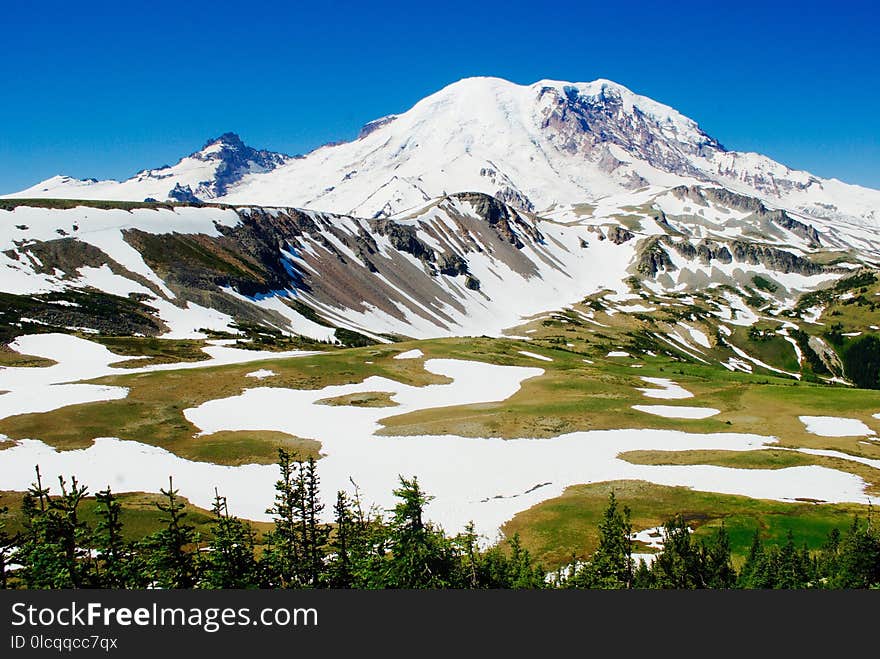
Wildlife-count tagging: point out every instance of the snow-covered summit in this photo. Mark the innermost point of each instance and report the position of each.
(537, 146)
(203, 175)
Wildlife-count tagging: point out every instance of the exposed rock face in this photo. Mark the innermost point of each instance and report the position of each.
(452, 265)
(653, 257)
(708, 250)
(579, 124)
(83, 309)
(723, 197)
(500, 217)
(773, 258)
(805, 231)
(514, 198)
(404, 238)
(376, 124)
(183, 194)
(235, 160)
(618, 235)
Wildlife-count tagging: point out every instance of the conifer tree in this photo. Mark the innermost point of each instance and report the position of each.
(8, 542)
(791, 571)
(716, 560)
(171, 560)
(283, 554)
(859, 558)
(612, 565)
(230, 561)
(315, 533)
(751, 574)
(119, 565)
(49, 551)
(522, 572)
(680, 564)
(340, 573)
(420, 555)
(73, 534)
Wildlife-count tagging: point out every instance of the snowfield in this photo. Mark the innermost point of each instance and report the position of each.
(485, 480)
(410, 354)
(668, 389)
(833, 426)
(45, 389)
(677, 412)
(487, 134)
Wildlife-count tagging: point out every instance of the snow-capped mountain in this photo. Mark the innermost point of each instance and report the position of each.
(535, 146)
(205, 175)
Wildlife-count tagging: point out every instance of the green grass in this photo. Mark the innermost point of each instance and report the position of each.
(565, 527)
(773, 349)
(360, 399)
(238, 447)
(763, 459)
(9, 357)
(157, 351)
(139, 516)
(152, 412)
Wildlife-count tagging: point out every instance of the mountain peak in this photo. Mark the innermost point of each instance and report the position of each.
(228, 139)
(536, 146)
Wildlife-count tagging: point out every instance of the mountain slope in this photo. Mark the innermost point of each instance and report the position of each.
(535, 146)
(204, 175)
(464, 264)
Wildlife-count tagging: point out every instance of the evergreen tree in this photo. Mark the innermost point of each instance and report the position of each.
(120, 566)
(172, 563)
(368, 544)
(230, 561)
(716, 559)
(791, 571)
(612, 565)
(283, 555)
(314, 533)
(680, 564)
(339, 572)
(859, 558)
(420, 555)
(73, 534)
(755, 572)
(522, 572)
(7, 544)
(827, 563)
(50, 553)
(470, 566)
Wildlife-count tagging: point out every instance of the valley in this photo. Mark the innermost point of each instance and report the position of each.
(526, 296)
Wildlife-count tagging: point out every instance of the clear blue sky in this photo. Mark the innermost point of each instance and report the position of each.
(104, 89)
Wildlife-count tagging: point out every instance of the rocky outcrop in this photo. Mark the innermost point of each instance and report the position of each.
(452, 265)
(708, 251)
(404, 237)
(183, 194)
(653, 258)
(515, 198)
(579, 124)
(235, 159)
(501, 217)
(772, 258)
(786, 221)
(723, 197)
(618, 235)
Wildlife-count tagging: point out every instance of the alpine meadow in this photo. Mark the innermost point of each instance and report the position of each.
(551, 335)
